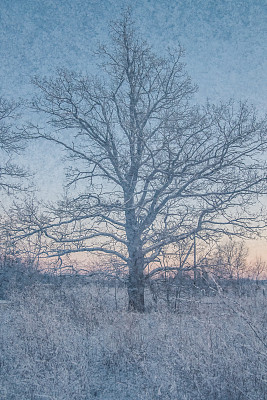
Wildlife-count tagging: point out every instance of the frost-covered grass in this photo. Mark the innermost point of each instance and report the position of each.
(72, 344)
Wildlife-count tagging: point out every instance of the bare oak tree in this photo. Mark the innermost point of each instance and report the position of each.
(148, 167)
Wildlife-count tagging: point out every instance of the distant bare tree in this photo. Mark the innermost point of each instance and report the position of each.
(149, 168)
(230, 260)
(11, 175)
(258, 269)
(10, 143)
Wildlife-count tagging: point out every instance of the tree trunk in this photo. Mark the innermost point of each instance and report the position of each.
(136, 281)
(136, 286)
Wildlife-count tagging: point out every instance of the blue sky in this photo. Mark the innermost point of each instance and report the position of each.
(225, 40)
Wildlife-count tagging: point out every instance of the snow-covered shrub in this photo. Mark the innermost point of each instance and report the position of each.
(16, 274)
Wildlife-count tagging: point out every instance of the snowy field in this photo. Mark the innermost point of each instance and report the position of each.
(72, 344)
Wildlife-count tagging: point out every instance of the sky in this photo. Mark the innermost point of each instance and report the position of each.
(225, 43)
(225, 40)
